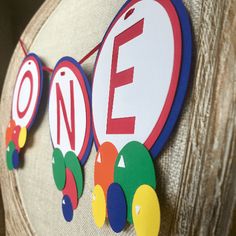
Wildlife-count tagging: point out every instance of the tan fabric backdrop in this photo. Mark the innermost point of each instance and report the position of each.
(72, 28)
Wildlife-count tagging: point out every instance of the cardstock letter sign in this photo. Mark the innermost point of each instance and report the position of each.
(69, 109)
(27, 92)
(25, 104)
(137, 73)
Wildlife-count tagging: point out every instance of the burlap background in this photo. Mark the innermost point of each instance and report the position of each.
(72, 29)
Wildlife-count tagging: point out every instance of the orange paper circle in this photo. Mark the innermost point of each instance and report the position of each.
(9, 132)
(104, 166)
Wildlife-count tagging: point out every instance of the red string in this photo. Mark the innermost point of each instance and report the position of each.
(90, 54)
(23, 47)
(45, 68)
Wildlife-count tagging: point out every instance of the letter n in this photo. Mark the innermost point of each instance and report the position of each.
(70, 123)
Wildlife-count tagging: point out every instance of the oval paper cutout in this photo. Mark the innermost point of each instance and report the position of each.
(146, 211)
(136, 74)
(134, 167)
(116, 207)
(27, 92)
(104, 166)
(69, 109)
(98, 206)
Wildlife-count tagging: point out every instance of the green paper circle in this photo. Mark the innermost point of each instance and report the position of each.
(134, 170)
(73, 164)
(9, 153)
(59, 169)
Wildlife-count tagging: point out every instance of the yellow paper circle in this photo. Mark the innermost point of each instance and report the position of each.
(99, 206)
(146, 211)
(22, 137)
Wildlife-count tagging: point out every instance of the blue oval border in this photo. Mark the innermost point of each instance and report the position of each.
(187, 47)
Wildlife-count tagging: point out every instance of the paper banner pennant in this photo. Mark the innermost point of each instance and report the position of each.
(137, 74)
(69, 109)
(70, 129)
(140, 81)
(25, 105)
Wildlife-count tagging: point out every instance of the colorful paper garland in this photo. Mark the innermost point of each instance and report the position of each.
(67, 171)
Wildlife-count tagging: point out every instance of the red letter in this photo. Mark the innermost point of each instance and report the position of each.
(118, 79)
(27, 75)
(61, 104)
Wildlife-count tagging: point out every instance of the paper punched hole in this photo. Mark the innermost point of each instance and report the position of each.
(129, 13)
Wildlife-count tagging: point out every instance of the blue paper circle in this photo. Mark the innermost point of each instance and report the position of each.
(116, 207)
(67, 208)
(15, 159)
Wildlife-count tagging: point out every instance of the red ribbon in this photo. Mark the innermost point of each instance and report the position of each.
(45, 68)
